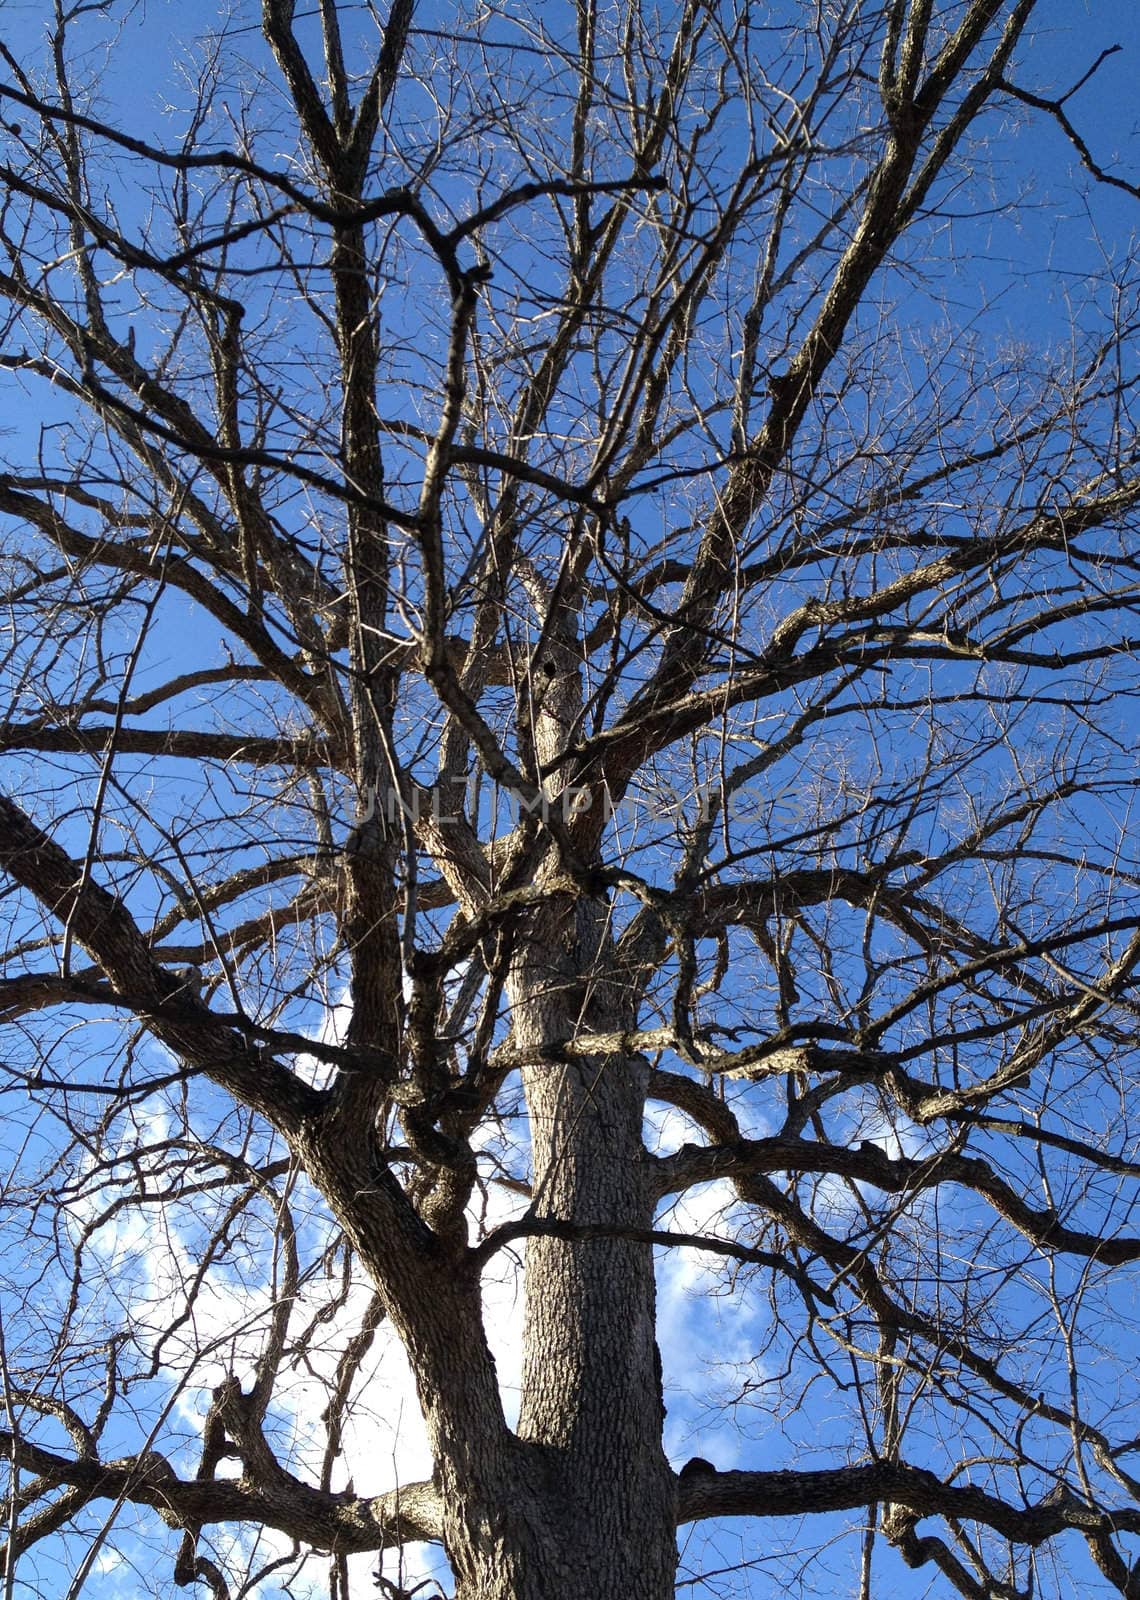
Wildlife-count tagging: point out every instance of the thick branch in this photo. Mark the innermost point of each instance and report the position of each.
(704, 1494)
(342, 1522)
(102, 924)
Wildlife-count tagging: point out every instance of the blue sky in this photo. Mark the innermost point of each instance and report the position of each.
(1024, 275)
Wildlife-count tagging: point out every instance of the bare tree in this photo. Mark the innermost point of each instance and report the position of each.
(570, 690)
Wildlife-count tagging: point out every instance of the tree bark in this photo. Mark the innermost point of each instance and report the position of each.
(591, 1411)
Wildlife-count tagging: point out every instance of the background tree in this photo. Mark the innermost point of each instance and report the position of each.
(570, 684)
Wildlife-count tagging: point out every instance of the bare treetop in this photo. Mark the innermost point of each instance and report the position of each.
(570, 640)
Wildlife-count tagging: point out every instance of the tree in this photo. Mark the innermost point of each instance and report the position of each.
(570, 669)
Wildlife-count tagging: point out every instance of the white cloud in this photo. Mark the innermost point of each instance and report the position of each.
(704, 1334)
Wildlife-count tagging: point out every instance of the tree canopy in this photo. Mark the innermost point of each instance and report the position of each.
(570, 631)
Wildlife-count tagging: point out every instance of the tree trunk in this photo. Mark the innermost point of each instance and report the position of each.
(601, 1520)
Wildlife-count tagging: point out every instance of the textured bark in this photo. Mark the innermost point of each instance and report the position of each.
(591, 1400)
(580, 1500)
